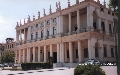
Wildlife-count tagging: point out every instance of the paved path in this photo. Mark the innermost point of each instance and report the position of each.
(109, 70)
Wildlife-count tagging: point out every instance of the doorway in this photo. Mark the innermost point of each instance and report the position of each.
(55, 57)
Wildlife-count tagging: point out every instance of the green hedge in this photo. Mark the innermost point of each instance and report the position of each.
(88, 70)
(34, 66)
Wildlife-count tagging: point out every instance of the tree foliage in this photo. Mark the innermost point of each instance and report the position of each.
(88, 70)
(8, 57)
(114, 5)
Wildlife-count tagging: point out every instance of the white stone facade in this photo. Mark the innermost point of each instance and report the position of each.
(71, 35)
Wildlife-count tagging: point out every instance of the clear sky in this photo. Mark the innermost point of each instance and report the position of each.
(12, 11)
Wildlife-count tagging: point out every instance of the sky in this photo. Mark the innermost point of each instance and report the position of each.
(11, 11)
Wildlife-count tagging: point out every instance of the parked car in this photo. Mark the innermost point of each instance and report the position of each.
(1, 65)
(92, 62)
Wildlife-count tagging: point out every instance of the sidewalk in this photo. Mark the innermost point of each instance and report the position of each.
(109, 70)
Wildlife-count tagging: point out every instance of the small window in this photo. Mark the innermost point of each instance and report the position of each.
(54, 20)
(42, 24)
(112, 14)
(48, 22)
(36, 25)
(108, 12)
(67, 53)
(101, 9)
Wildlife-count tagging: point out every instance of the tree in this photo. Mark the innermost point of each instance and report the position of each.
(114, 5)
(8, 57)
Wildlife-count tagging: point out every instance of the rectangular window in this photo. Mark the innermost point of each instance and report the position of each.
(47, 32)
(108, 12)
(48, 22)
(32, 36)
(36, 25)
(76, 53)
(54, 31)
(94, 25)
(36, 35)
(101, 9)
(67, 53)
(110, 28)
(112, 14)
(96, 52)
(42, 34)
(103, 26)
(86, 52)
(112, 52)
(105, 52)
(54, 20)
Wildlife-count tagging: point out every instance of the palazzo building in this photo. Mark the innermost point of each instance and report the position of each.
(75, 34)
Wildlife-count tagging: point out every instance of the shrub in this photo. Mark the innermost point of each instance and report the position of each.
(88, 70)
(34, 66)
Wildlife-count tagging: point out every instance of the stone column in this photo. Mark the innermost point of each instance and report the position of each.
(29, 33)
(51, 53)
(34, 33)
(19, 55)
(20, 36)
(38, 53)
(91, 50)
(45, 59)
(23, 55)
(39, 32)
(51, 29)
(70, 52)
(24, 35)
(99, 24)
(17, 36)
(60, 24)
(62, 52)
(69, 23)
(78, 20)
(100, 50)
(58, 53)
(57, 25)
(28, 55)
(79, 51)
(33, 54)
(16, 57)
(44, 30)
(89, 18)
(106, 27)
(65, 52)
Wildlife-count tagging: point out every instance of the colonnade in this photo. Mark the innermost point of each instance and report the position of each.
(24, 55)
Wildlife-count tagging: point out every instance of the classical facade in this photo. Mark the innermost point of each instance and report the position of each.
(8, 46)
(75, 34)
